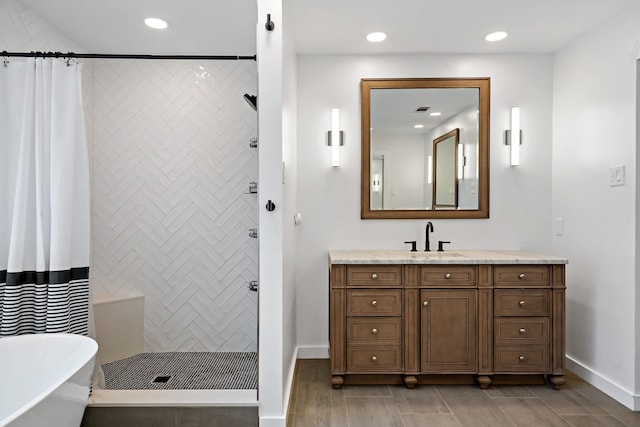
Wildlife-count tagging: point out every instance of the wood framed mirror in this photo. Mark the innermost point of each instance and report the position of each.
(401, 120)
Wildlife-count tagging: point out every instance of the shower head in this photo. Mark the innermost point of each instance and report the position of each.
(251, 100)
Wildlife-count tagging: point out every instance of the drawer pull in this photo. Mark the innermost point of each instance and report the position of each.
(374, 359)
(521, 276)
(523, 331)
(374, 276)
(374, 303)
(374, 331)
(521, 303)
(426, 303)
(522, 358)
(447, 276)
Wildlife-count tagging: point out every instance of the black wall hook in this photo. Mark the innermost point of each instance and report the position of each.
(269, 25)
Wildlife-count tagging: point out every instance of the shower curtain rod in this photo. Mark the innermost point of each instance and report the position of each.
(62, 55)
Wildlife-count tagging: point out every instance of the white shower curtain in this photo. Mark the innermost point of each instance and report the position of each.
(44, 199)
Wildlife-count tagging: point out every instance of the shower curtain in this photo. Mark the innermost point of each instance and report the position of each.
(44, 199)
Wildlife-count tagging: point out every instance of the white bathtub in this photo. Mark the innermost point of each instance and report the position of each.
(45, 379)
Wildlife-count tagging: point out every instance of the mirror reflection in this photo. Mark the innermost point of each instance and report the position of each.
(425, 148)
(445, 171)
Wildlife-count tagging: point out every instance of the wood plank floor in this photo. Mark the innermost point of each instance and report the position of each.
(314, 403)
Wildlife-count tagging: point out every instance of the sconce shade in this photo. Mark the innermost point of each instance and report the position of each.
(515, 136)
(335, 137)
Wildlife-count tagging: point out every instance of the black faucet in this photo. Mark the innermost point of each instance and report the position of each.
(426, 237)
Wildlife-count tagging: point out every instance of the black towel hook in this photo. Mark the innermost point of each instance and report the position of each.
(269, 25)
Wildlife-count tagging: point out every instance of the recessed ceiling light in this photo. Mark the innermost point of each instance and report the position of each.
(376, 36)
(157, 23)
(418, 126)
(496, 36)
(435, 114)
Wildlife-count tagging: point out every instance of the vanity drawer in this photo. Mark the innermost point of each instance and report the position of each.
(521, 359)
(521, 330)
(387, 359)
(449, 276)
(374, 275)
(374, 330)
(521, 275)
(387, 302)
(520, 302)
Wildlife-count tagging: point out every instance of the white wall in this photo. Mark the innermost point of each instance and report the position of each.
(276, 129)
(329, 198)
(595, 128)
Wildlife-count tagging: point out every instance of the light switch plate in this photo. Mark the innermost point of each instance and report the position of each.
(616, 176)
(558, 226)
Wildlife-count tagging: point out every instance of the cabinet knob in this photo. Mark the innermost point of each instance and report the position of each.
(522, 358)
(521, 276)
(447, 276)
(523, 331)
(374, 303)
(426, 303)
(374, 276)
(374, 331)
(374, 359)
(521, 303)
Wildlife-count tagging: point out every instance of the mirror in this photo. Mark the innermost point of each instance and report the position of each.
(425, 148)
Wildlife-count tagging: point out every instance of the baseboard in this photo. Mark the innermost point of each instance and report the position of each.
(613, 390)
(272, 422)
(313, 352)
(281, 421)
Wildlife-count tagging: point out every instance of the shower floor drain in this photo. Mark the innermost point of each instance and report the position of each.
(183, 370)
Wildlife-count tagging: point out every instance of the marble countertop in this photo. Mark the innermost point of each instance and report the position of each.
(446, 257)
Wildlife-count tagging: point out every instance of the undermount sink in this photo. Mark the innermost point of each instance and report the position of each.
(444, 254)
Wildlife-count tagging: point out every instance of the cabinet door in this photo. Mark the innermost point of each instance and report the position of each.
(448, 331)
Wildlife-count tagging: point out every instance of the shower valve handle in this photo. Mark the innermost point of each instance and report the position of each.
(270, 206)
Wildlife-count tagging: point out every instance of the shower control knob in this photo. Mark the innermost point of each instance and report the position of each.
(270, 206)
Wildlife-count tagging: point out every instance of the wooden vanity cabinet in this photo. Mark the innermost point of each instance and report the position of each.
(417, 323)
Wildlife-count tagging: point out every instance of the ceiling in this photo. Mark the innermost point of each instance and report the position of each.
(228, 27)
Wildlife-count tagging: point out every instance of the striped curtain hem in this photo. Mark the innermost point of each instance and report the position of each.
(44, 302)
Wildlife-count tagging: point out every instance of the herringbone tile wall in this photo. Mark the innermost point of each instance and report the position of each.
(170, 167)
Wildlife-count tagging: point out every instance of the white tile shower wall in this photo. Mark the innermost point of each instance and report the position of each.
(171, 166)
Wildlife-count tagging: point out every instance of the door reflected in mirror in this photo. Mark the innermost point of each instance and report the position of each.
(425, 148)
(445, 170)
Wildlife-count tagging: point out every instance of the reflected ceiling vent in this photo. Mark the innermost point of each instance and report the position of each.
(422, 109)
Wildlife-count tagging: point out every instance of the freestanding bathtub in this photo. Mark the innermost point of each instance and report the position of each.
(45, 379)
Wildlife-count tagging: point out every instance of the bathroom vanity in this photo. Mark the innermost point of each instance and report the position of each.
(456, 317)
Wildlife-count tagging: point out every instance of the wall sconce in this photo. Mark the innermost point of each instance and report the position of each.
(335, 137)
(376, 183)
(462, 160)
(430, 170)
(513, 137)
